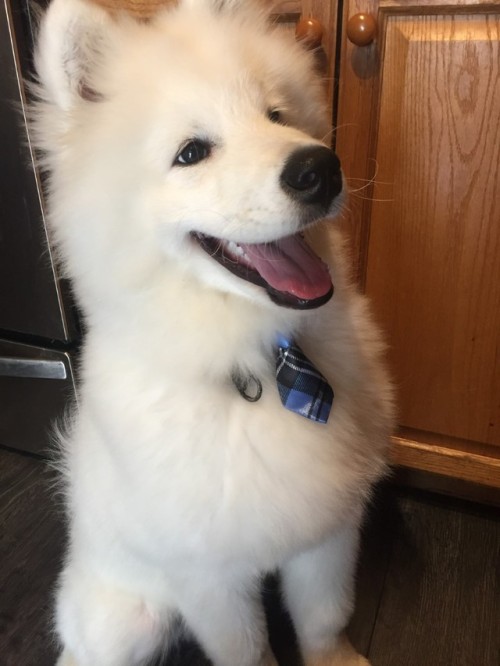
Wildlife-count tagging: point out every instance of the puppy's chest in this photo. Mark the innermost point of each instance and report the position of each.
(256, 478)
(225, 473)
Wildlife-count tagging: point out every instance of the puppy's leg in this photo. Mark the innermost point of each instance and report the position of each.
(99, 624)
(228, 620)
(319, 591)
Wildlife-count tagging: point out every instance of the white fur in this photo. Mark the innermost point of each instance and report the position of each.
(180, 493)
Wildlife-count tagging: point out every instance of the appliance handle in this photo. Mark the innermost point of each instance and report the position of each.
(33, 368)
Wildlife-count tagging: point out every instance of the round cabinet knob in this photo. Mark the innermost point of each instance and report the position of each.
(310, 31)
(361, 29)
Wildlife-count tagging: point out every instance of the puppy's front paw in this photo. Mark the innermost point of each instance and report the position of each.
(343, 655)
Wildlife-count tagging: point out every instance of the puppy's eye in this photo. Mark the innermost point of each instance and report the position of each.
(193, 152)
(275, 116)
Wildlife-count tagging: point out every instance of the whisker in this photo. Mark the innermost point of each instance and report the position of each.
(369, 181)
(328, 135)
(377, 199)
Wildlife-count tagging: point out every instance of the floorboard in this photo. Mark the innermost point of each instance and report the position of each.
(428, 586)
(441, 599)
(380, 530)
(31, 543)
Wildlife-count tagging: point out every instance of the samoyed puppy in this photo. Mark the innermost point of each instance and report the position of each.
(187, 156)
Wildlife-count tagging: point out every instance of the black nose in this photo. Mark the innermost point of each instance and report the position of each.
(312, 175)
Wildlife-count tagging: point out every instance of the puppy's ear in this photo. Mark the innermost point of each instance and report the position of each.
(72, 39)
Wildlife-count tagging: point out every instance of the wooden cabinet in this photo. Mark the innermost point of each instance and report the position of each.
(419, 137)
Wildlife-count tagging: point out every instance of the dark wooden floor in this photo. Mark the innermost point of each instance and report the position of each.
(428, 582)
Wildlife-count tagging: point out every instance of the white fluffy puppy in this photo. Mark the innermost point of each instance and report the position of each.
(186, 158)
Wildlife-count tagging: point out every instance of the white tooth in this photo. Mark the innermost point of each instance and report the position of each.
(234, 249)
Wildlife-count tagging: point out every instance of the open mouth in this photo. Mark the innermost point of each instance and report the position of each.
(291, 273)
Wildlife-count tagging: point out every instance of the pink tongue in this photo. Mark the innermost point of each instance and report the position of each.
(289, 265)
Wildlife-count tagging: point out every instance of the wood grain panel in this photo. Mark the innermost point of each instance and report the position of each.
(358, 81)
(433, 266)
(463, 460)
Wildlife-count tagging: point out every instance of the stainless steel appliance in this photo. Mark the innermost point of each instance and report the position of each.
(38, 326)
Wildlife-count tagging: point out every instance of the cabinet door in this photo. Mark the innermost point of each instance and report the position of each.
(419, 137)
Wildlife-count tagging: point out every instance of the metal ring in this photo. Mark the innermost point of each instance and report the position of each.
(243, 383)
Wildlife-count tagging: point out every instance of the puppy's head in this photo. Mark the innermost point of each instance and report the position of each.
(195, 140)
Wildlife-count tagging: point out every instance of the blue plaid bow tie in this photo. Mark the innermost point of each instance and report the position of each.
(302, 388)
